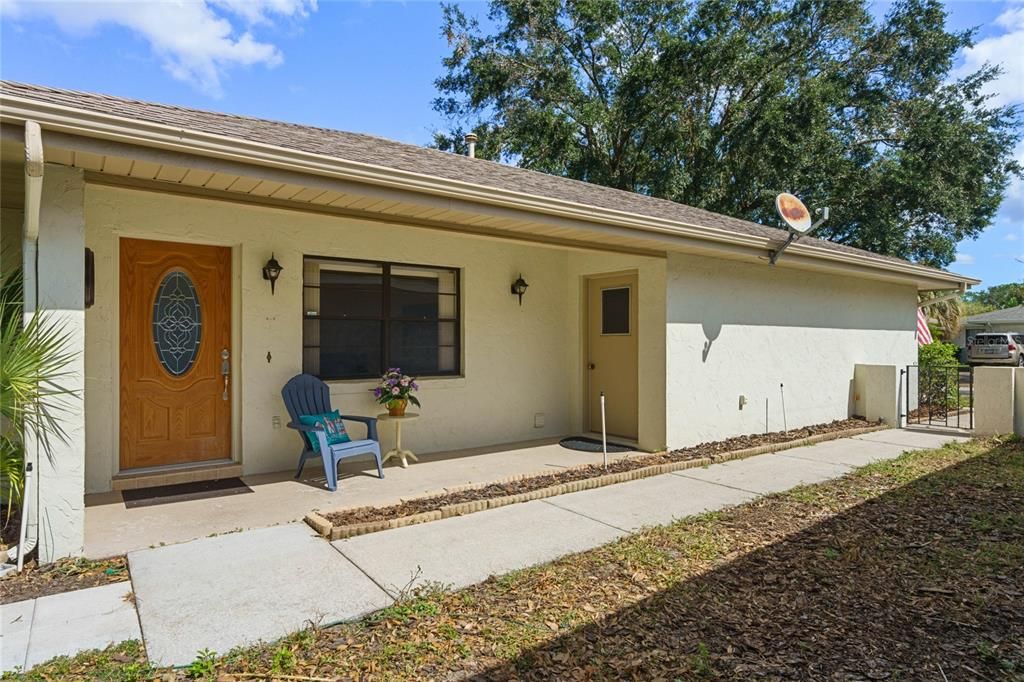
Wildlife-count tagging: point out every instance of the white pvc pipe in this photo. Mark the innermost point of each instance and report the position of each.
(604, 433)
(782, 394)
(26, 496)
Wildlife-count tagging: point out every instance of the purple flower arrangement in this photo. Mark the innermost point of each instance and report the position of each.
(396, 386)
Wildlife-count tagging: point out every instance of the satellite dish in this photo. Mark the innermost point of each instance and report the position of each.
(793, 211)
(798, 218)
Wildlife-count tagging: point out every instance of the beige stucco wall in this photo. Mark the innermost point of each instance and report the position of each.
(517, 361)
(742, 329)
(765, 325)
(993, 400)
(11, 229)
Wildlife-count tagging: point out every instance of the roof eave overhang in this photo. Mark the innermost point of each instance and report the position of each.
(90, 124)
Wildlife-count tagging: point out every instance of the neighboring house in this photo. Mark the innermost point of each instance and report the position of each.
(1005, 320)
(397, 255)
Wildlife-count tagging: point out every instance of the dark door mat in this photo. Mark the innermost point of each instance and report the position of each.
(199, 490)
(584, 444)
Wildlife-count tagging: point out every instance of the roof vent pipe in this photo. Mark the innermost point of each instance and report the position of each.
(471, 143)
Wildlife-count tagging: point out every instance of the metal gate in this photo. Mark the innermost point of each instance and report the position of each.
(938, 395)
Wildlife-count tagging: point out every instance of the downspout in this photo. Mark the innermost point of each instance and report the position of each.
(33, 195)
(30, 305)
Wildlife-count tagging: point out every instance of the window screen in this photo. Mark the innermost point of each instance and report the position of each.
(615, 311)
(360, 318)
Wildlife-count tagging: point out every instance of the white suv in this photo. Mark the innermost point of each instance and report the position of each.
(1000, 348)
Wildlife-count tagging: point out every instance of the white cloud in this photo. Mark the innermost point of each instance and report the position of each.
(261, 11)
(1007, 50)
(963, 259)
(1012, 209)
(196, 40)
(1011, 237)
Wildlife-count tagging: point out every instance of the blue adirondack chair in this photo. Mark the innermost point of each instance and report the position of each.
(304, 394)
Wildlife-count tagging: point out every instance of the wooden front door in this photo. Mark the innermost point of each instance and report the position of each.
(612, 353)
(175, 353)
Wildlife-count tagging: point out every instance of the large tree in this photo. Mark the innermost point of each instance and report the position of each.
(998, 297)
(723, 103)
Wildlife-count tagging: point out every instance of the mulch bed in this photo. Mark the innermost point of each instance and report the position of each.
(61, 576)
(411, 507)
(937, 412)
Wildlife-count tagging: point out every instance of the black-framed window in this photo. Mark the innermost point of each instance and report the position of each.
(362, 317)
(615, 311)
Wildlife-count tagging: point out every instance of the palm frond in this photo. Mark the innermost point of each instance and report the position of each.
(12, 475)
(34, 357)
(947, 314)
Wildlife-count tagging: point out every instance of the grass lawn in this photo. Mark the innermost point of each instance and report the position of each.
(905, 570)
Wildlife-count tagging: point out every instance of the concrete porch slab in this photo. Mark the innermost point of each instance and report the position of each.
(465, 550)
(15, 626)
(650, 501)
(93, 618)
(847, 451)
(766, 474)
(241, 588)
(912, 439)
(276, 498)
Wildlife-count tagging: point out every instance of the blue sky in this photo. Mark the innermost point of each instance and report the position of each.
(361, 66)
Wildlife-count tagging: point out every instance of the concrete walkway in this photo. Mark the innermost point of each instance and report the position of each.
(240, 588)
(36, 630)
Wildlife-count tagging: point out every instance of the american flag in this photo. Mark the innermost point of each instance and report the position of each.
(924, 335)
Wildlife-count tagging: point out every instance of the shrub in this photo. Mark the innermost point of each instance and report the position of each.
(939, 382)
(937, 353)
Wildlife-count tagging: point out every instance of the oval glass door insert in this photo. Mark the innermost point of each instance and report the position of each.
(177, 323)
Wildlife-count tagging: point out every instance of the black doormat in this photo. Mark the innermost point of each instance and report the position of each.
(584, 444)
(199, 490)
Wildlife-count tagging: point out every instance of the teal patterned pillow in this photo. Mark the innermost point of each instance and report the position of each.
(332, 424)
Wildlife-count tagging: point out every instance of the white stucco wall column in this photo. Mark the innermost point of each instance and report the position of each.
(58, 278)
(993, 400)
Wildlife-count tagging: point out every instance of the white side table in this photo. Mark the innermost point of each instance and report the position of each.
(398, 451)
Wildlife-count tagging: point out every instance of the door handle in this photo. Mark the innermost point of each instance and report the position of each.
(591, 366)
(225, 370)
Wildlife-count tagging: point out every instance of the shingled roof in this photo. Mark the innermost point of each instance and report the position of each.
(389, 154)
(1013, 315)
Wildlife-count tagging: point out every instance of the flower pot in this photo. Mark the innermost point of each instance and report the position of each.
(396, 408)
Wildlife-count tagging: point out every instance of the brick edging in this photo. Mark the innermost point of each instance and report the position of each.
(337, 532)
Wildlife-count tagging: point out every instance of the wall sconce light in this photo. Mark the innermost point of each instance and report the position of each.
(519, 288)
(271, 271)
